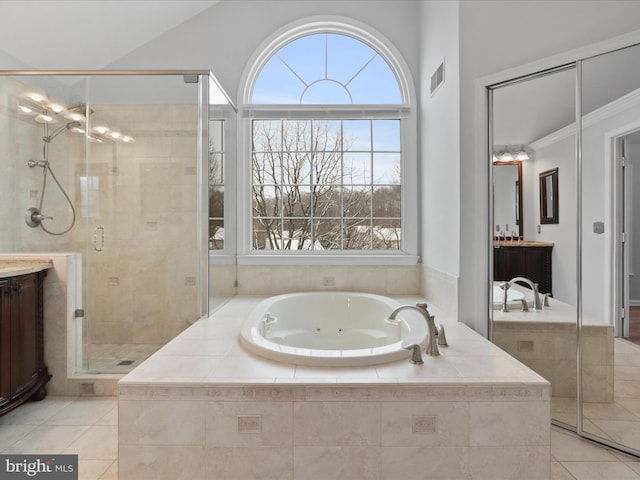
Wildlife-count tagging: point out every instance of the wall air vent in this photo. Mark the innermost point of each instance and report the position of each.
(437, 78)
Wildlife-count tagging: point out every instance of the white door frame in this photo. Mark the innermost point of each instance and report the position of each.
(616, 251)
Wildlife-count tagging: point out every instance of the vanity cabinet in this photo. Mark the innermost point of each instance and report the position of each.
(23, 374)
(531, 260)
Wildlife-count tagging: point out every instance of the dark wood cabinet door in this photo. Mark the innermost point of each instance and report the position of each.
(24, 335)
(5, 341)
(533, 263)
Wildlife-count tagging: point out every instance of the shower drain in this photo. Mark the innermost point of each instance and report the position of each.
(126, 362)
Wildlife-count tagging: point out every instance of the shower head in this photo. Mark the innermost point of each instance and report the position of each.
(59, 130)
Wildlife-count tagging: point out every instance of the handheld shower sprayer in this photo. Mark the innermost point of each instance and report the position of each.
(34, 216)
(59, 130)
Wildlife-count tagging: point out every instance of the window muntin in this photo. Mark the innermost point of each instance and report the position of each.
(326, 184)
(326, 68)
(354, 232)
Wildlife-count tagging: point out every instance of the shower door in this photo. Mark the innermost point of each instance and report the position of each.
(141, 197)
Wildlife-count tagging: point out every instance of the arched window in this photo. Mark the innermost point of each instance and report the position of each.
(327, 111)
(326, 68)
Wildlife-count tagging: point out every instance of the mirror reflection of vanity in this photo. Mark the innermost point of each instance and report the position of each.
(513, 256)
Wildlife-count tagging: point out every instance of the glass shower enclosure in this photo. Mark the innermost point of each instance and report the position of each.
(112, 166)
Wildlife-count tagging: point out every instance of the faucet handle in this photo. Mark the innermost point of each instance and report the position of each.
(545, 300)
(423, 306)
(524, 307)
(416, 353)
(442, 339)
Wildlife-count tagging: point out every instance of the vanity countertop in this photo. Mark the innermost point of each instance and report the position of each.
(11, 267)
(523, 243)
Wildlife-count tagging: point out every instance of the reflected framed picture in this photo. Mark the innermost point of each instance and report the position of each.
(549, 196)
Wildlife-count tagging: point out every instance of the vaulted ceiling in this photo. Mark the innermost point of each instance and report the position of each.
(62, 34)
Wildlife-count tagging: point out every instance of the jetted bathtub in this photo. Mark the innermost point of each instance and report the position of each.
(331, 329)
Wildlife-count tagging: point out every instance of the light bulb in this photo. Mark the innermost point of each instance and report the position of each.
(44, 118)
(506, 157)
(56, 106)
(523, 155)
(101, 129)
(25, 109)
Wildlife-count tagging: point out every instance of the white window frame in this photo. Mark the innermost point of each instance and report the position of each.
(406, 112)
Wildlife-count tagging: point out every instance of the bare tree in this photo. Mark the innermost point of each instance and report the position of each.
(304, 195)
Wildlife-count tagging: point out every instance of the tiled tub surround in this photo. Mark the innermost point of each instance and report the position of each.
(545, 341)
(202, 407)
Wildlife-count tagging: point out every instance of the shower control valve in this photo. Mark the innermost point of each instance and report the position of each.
(34, 218)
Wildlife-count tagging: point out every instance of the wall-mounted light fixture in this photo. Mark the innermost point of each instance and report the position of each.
(509, 153)
(37, 106)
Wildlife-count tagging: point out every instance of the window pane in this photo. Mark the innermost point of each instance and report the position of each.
(386, 135)
(357, 169)
(328, 234)
(267, 135)
(386, 201)
(266, 234)
(386, 168)
(276, 84)
(266, 201)
(296, 135)
(215, 169)
(346, 56)
(296, 235)
(376, 84)
(333, 68)
(216, 234)
(305, 56)
(326, 201)
(296, 200)
(357, 235)
(386, 235)
(357, 135)
(267, 168)
(356, 202)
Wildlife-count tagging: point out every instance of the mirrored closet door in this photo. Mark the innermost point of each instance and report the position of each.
(534, 239)
(566, 263)
(610, 248)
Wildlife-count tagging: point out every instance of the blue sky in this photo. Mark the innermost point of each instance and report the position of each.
(326, 68)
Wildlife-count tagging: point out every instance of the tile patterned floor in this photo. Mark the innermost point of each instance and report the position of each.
(57, 425)
(618, 421)
(88, 427)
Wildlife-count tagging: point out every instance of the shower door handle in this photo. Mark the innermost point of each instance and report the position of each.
(98, 238)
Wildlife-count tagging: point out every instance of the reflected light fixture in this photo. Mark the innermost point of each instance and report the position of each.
(506, 156)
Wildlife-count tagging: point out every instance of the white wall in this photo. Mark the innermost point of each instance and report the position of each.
(634, 280)
(495, 36)
(440, 148)
(560, 155)
(224, 37)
